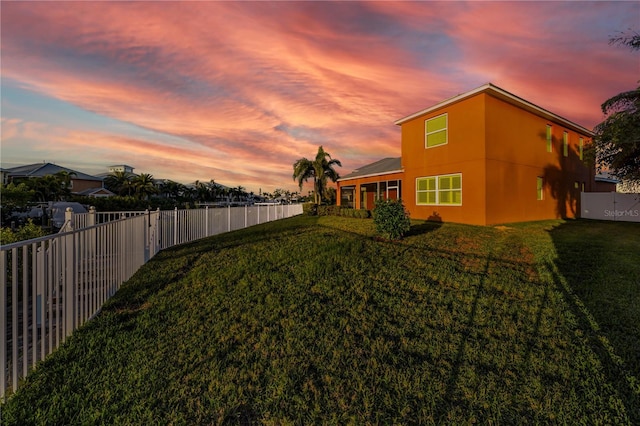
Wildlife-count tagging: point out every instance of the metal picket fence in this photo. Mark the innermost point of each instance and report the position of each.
(50, 286)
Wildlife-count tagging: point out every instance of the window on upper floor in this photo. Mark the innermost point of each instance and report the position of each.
(439, 190)
(580, 148)
(435, 131)
(549, 138)
(565, 144)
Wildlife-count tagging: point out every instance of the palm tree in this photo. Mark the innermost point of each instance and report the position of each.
(47, 188)
(214, 188)
(119, 182)
(202, 191)
(144, 186)
(238, 191)
(64, 177)
(319, 169)
(170, 189)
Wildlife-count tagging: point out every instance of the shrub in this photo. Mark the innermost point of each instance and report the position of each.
(309, 209)
(26, 232)
(391, 219)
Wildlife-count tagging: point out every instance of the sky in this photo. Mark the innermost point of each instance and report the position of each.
(238, 91)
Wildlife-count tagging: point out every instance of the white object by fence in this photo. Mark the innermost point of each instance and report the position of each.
(610, 206)
(50, 286)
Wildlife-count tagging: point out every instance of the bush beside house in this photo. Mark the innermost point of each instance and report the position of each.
(391, 219)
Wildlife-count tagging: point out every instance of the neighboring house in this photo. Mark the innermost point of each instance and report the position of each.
(80, 182)
(604, 182)
(483, 157)
(3, 176)
(95, 192)
(121, 168)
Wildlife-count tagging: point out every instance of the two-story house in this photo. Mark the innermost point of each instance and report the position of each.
(483, 157)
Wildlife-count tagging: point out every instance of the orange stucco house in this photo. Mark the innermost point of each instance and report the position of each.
(483, 157)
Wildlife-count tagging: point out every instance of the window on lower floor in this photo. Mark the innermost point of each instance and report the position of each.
(439, 190)
(539, 188)
(347, 198)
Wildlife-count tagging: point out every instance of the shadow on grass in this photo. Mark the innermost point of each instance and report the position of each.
(172, 264)
(454, 376)
(599, 281)
(424, 228)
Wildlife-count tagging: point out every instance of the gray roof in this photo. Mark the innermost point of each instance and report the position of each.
(45, 169)
(380, 167)
(92, 191)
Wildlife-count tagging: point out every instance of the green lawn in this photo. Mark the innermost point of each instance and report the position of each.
(316, 321)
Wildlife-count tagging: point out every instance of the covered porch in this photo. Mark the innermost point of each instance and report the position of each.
(380, 180)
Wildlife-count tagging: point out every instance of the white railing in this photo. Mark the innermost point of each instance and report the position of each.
(50, 286)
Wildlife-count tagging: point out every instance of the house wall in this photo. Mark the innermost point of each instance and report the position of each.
(500, 149)
(516, 154)
(600, 186)
(464, 153)
(79, 185)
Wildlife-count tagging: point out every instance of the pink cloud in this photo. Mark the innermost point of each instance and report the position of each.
(249, 88)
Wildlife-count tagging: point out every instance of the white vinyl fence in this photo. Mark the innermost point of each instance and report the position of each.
(50, 286)
(617, 206)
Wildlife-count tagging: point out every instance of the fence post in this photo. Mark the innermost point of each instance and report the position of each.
(229, 218)
(175, 226)
(92, 216)
(70, 284)
(206, 221)
(147, 235)
(68, 219)
(157, 233)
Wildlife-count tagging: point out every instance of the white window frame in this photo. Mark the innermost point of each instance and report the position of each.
(446, 130)
(438, 190)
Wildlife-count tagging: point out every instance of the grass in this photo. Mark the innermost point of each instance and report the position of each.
(313, 320)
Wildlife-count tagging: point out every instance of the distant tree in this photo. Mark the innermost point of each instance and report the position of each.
(616, 144)
(14, 197)
(144, 186)
(202, 191)
(278, 193)
(214, 189)
(238, 193)
(119, 182)
(320, 170)
(65, 177)
(172, 190)
(47, 188)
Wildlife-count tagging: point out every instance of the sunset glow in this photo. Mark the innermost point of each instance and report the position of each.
(237, 91)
